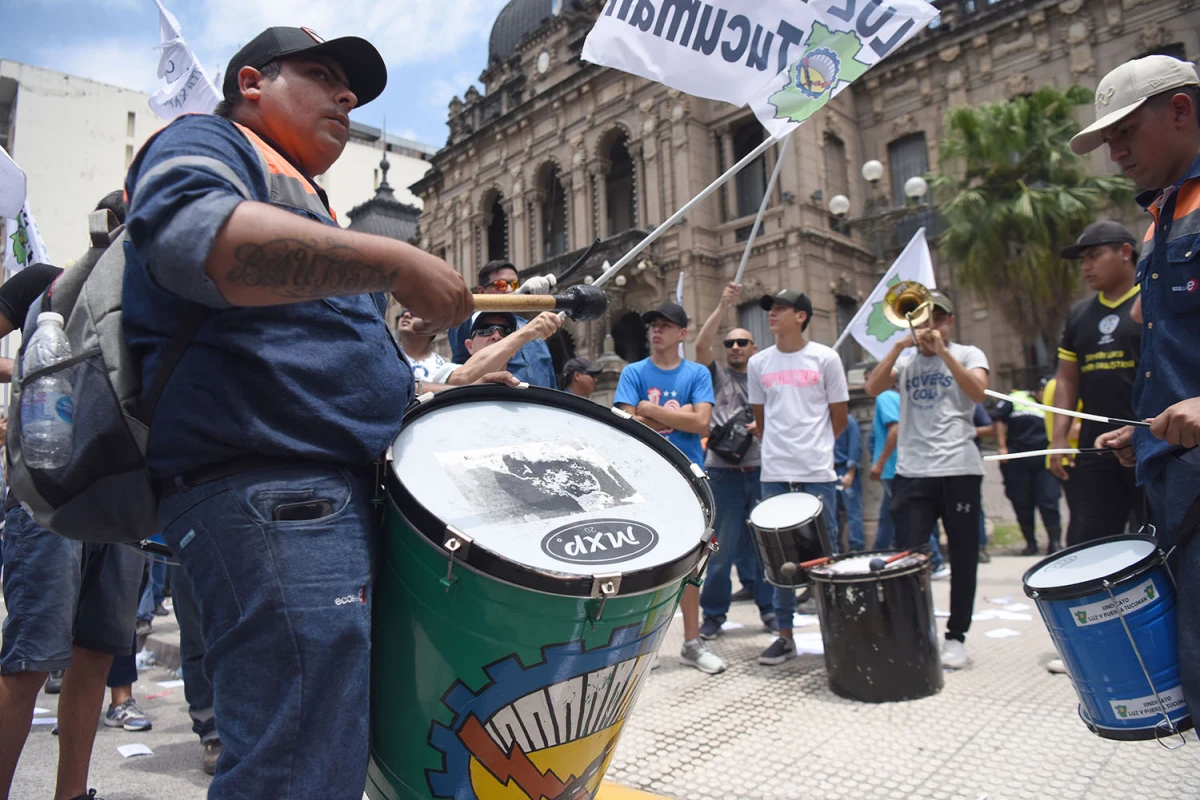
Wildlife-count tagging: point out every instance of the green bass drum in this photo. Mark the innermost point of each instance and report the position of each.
(536, 546)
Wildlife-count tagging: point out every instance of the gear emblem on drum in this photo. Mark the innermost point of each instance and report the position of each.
(543, 731)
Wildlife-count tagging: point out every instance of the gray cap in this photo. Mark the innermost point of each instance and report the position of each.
(941, 301)
(1125, 89)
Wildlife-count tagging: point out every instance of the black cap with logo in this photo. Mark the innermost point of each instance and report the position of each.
(671, 312)
(365, 70)
(1102, 232)
(787, 297)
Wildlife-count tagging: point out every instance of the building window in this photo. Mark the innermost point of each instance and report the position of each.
(752, 317)
(618, 189)
(554, 214)
(497, 231)
(128, 155)
(751, 182)
(849, 351)
(629, 337)
(837, 180)
(907, 157)
(130, 121)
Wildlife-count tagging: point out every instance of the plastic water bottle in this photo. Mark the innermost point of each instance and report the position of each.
(47, 406)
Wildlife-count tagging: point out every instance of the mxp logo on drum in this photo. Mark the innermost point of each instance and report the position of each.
(599, 541)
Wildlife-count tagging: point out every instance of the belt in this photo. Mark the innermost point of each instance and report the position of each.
(740, 468)
(190, 480)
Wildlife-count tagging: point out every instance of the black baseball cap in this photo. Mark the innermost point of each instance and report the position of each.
(365, 70)
(787, 297)
(1102, 232)
(579, 365)
(671, 312)
(483, 319)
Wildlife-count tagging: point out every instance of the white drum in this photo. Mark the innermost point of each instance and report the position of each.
(789, 530)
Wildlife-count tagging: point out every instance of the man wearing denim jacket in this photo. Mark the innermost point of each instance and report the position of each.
(268, 431)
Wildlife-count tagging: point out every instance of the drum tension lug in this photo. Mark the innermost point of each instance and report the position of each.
(604, 587)
(454, 542)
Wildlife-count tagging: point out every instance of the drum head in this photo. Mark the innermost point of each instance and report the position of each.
(855, 566)
(551, 483)
(785, 511)
(1085, 566)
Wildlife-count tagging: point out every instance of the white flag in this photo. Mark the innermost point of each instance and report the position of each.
(189, 89)
(784, 58)
(12, 186)
(870, 327)
(22, 242)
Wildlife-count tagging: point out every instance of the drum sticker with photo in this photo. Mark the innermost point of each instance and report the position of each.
(537, 480)
(1126, 602)
(1148, 706)
(548, 730)
(599, 541)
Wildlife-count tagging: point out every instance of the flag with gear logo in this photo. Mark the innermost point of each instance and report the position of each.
(869, 327)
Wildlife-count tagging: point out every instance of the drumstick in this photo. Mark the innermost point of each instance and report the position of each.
(1065, 412)
(580, 302)
(816, 562)
(1057, 451)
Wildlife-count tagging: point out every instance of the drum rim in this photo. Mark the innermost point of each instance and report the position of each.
(810, 521)
(1076, 590)
(480, 559)
(889, 571)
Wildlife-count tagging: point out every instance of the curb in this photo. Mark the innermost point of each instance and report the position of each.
(166, 653)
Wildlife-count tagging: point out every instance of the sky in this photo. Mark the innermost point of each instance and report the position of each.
(434, 49)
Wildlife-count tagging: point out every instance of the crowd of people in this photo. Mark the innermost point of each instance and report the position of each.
(267, 435)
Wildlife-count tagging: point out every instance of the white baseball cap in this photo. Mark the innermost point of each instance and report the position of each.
(1126, 88)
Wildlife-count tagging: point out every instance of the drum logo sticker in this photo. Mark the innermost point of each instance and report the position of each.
(544, 731)
(1138, 707)
(599, 541)
(1125, 603)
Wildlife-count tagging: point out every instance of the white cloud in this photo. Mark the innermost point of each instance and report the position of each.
(439, 91)
(120, 63)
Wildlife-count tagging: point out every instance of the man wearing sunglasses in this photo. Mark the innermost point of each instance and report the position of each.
(532, 362)
(734, 481)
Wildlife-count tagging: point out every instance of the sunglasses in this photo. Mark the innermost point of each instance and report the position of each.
(501, 285)
(488, 330)
(739, 342)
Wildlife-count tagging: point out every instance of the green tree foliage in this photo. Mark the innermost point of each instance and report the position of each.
(1013, 195)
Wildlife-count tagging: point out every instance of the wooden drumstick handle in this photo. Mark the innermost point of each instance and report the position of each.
(897, 556)
(816, 562)
(515, 302)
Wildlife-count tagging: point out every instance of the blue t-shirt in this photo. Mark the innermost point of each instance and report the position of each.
(531, 364)
(320, 381)
(688, 384)
(887, 412)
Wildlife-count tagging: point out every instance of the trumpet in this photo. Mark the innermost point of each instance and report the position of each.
(908, 303)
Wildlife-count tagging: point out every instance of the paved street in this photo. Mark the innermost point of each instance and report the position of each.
(1004, 729)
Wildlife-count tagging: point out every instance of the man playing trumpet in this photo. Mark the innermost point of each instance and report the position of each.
(938, 470)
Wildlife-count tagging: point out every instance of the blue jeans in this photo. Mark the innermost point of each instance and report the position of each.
(197, 688)
(1170, 495)
(152, 593)
(285, 607)
(735, 493)
(785, 599)
(850, 500)
(885, 536)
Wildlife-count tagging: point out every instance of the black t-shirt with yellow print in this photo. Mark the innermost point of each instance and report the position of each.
(1100, 336)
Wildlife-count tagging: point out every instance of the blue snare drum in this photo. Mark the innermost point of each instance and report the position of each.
(1110, 608)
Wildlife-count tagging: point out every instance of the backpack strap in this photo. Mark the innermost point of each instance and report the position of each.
(189, 326)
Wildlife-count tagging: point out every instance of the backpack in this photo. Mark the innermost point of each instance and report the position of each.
(105, 492)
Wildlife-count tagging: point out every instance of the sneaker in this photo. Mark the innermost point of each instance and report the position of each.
(696, 654)
(91, 795)
(161, 611)
(984, 558)
(710, 628)
(143, 627)
(54, 681)
(941, 573)
(770, 622)
(145, 659)
(780, 651)
(127, 716)
(1030, 550)
(954, 654)
(1056, 666)
(1053, 547)
(212, 751)
(741, 595)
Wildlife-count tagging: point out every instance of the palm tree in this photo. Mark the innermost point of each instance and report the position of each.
(1013, 195)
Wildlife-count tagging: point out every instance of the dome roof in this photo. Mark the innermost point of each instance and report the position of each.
(517, 20)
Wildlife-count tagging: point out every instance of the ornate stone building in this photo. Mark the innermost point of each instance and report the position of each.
(556, 152)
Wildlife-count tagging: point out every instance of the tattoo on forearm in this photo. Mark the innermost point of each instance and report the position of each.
(301, 269)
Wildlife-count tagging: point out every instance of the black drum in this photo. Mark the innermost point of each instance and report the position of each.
(878, 627)
(789, 530)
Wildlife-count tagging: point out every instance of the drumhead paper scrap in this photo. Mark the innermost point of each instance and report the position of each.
(784, 58)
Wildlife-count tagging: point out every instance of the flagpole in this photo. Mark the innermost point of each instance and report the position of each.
(678, 215)
(762, 208)
(865, 309)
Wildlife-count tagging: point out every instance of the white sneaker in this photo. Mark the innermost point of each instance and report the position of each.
(1056, 666)
(954, 654)
(941, 573)
(696, 654)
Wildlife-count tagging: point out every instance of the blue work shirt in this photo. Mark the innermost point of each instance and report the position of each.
(847, 449)
(320, 381)
(688, 384)
(531, 364)
(1169, 274)
(887, 412)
